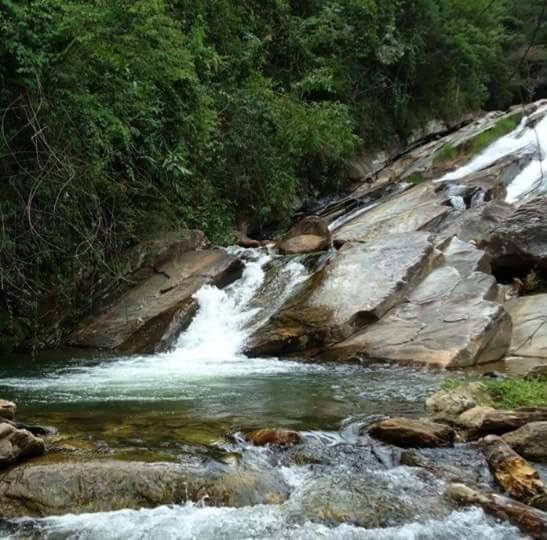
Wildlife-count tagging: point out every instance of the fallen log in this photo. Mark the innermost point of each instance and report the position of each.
(513, 473)
(529, 520)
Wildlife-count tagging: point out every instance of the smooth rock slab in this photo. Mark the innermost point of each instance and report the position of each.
(529, 316)
(466, 258)
(448, 321)
(360, 285)
(102, 486)
(149, 317)
(530, 441)
(409, 433)
(18, 444)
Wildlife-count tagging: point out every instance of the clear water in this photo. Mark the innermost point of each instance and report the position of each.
(198, 397)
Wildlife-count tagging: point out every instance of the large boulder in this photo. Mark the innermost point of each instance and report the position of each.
(18, 444)
(102, 486)
(150, 315)
(448, 321)
(465, 257)
(529, 441)
(409, 433)
(362, 283)
(307, 236)
(529, 316)
(519, 244)
(413, 210)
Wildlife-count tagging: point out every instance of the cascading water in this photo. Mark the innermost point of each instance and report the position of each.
(523, 141)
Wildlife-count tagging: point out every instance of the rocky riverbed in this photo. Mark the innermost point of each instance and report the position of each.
(294, 389)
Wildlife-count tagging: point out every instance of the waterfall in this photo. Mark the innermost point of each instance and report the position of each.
(524, 140)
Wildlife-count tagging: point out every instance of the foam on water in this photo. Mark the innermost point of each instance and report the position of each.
(259, 522)
(524, 140)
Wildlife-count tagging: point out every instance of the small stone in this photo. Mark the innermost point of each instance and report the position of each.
(7, 409)
(275, 437)
(18, 444)
(456, 401)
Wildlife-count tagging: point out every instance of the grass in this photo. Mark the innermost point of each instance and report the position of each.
(509, 393)
(415, 179)
(478, 143)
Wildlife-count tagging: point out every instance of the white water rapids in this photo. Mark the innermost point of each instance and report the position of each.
(523, 141)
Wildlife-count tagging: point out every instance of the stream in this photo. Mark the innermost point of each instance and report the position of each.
(193, 403)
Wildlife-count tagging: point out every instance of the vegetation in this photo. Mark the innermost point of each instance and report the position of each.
(509, 393)
(124, 118)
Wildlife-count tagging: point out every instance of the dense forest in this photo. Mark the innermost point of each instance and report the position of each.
(123, 118)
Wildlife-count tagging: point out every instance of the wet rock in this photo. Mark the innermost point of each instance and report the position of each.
(101, 486)
(487, 420)
(409, 433)
(304, 243)
(529, 316)
(150, 316)
(274, 437)
(530, 520)
(466, 258)
(18, 444)
(7, 409)
(513, 473)
(335, 302)
(520, 242)
(448, 321)
(413, 210)
(449, 403)
(530, 441)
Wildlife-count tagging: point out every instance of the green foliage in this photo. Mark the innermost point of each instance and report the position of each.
(123, 118)
(515, 392)
(447, 153)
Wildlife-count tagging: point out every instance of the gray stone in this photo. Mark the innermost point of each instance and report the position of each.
(466, 258)
(448, 403)
(360, 285)
(7, 409)
(529, 316)
(448, 321)
(529, 441)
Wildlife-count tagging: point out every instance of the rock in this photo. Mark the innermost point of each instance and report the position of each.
(150, 316)
(7, 409)
(275, 437)
(307, 236)
(529, 316)
(486, 420)
(18, 444)
(305, 243)
(530, 441)
(102, 486)
(537, 372)
(530, 521)
(40, 431)
(409, 433)
(466, 258)
(414, 210)
(448, 403)
(448, 321)
(513, 473)
(359, 285)
(520, 243)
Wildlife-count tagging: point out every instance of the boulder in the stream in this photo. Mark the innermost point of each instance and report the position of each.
(362, 283)
(17, 445)
(307, 236)
(274, 437)
(7, 409)
(529, 520)
(150, 315)
(513, 473)
(448, 321)
(487, 420)
(410, 433)
(102, 486)
(455, 401)
(530, 441)
(465, 257)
